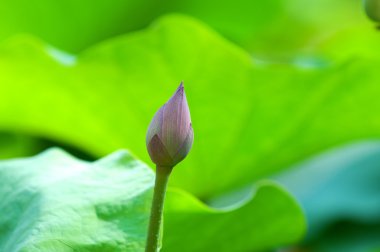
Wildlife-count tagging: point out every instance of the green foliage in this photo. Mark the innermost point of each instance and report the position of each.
(74, 25)
(293, 26)
(372, 8)
(54, 202)
(105, 99)
(339, 191)
(268, 218)
(251, 119)
(348, 237)
(357, 42)
(12, 144)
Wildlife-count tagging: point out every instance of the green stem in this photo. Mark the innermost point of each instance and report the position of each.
(162, 177)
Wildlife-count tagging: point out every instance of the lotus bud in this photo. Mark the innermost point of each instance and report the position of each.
(170, 133)
(372, 8)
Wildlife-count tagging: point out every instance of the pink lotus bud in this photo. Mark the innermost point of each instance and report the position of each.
(170, 134)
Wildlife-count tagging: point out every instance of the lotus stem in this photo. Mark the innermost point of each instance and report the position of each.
(156, 214)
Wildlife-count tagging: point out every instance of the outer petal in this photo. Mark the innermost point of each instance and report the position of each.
(155, 125)
(158, 153)
(186, 146)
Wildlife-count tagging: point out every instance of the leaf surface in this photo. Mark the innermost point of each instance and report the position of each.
(55, 202)
(276, 29)
(269, 218)
(339, 191)
(263, 118)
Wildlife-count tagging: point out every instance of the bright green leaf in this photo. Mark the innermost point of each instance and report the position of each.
(268, 219)
(359, 41)
(54, 202)
(275, 28)
(263, 118)
(74, 25)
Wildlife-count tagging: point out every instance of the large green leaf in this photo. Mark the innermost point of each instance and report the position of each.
(339, 186)
(54, 202)
(74, 25)
(279, 29)
(355, 42)
(267, 219)
(275, 27)
(249, 120)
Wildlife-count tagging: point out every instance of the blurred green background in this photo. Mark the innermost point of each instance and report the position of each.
(286, 90)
